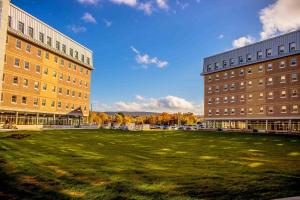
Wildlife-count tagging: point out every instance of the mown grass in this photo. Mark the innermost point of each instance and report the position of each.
(111, 164)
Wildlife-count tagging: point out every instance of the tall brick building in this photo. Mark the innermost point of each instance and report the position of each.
(256, 86)
(45, 75)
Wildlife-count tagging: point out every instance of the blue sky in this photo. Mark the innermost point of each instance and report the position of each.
(148, 54)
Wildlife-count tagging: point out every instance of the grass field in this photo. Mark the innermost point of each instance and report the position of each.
(107, 164)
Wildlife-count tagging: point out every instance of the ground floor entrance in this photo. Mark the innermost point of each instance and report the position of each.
(291, 125)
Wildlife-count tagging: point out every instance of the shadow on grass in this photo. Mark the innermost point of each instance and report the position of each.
(11, 188)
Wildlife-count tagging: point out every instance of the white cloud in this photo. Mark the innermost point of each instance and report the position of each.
(145, 59)
(171, 104)
(281, 17)
(89, 2)
(243, 41)
(162, 4)
(88, 17)
(77, 28)
(146, 8)
(107, 23)
(131, 3)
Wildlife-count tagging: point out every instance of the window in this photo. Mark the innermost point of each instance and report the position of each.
(60, 90)
(293, 62)
(76, 55)
(69, 79)
(271, 110)
(44, 86)
(18, 44)
(26, 65)
(232, 61)
(25, 82)
(249, 57)
(82, 58)
(88, 61)
(44, 102)
(41, 37)
(71, 52)
(294, 77)
(260, 82)
(46, 71)
(209, 112)
(261, 68)
(57, 45)
(282, 64)
(225, 75)
(225, 111)
(294, 93)
(261, 95)
(209, 101)
(74, 80)
(217, 111)
(80, 82)
(283, 79)
(250, 97)
(295, 109)
(61, 76)
(52, 104)
(28, 48)
(270, 67)
(81, 69)
(250, 71)
(259, 55)
(53, 89)
(283, 94)
(35, 102)
(39, 53)
(14, 99)
(270, 95)
(281, 49)
(64, 49)
(62, 62)
(9, 21)
(241, 59)
(242, 85)
(17, 62)
(217, 100)
(216, 66)
(225, 63)
(292, 46)
(250, 111)
(225, 87)
(242, 111)
(242, 72)
(30, 32)
(54, 74)
(225, 99)
(47, 55)
(68, 92)
(270, 81)
(250, 83)
(55, 59)
(232, 87)
(283, 109)
(21, 27)
(36, 85)
(209, 79)
(73, 93)
(24, 100)
(269, 52)
(49, 41)
(38, 69)
(217, 89)
(209, 89)
(232, 74)
(232, 99)
(59, 104)
(261, 110)
(15, 80)
(232, 111)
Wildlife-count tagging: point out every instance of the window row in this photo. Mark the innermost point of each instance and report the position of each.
(249, 57)
(261, 96)
(49, 41)
(294, 77)
(47, 56)
(52, 103)
(261, 68)
(54, 89)
(294, 109)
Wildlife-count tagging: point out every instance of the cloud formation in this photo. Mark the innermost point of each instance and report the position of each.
(89, 2)
(162, 4)
(88, 17)
(77, 28)
(171, 104)
(243, 41)
(145, 60)
(107, 23)
(131, 3)
(281, 17)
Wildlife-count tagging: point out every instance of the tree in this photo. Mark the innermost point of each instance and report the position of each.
(118, 119)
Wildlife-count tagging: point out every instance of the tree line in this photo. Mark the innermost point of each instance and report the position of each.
(101, 118)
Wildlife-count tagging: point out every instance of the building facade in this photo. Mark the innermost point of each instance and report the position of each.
(46, 76)
(255, 87)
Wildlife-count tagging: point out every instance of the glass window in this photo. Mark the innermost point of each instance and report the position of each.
(281, 49)
(26, 65)
(24, 100)
(261, 68)
(49, 41)
(259, 54)
(18, 44)
(293, 62)
(294, 76)
(249, 57)
(282, 64)
(30, 32)
(37, 69)
(25, 82)
(269, 52)
(9, 21)
(283, 109)
(270, 66)
(35, 101)
(64, 48)
(15, 80)
(21, 27)
(14, 99)
(57, 45)
(28, 48)
(292, 46)
(17, 62)
(41, 37)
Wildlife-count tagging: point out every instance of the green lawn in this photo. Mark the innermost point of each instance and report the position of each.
(107, 164)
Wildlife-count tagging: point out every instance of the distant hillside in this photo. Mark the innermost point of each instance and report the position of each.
(133, 113)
